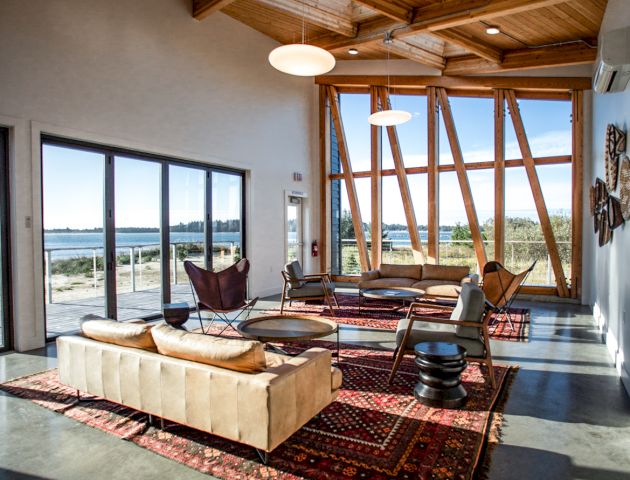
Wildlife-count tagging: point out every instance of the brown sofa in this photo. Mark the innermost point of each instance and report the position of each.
(434, 280)
(263, 404)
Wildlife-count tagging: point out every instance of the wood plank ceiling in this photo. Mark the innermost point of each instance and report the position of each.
(449, 35)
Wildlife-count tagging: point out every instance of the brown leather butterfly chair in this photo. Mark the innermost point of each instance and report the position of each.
(500, 286)
(221, 292)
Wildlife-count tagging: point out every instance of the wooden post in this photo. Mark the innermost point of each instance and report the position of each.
(577, 189)
(324, 183)
(462, 176)
(433, 177)
(499, 176)
(344, 156)
(403, 184)
(376, 182)
(539, 199)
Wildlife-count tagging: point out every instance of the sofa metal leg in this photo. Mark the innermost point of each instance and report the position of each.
(264, 456)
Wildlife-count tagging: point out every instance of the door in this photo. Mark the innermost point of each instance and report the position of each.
(5, 316)
(293, 230)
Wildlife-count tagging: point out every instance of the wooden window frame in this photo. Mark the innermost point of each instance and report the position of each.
(502, 90)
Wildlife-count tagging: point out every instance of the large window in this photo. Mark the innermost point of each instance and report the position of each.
(5, 314)
(463, 206)
(118, 226)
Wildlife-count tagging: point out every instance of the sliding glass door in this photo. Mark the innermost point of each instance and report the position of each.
(5, 315)
(73, 204)
(118, 226)
(138, 248)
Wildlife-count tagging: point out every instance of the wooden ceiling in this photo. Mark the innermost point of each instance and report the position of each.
(446, 34)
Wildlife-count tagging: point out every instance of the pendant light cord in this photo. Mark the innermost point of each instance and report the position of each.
(303, 16)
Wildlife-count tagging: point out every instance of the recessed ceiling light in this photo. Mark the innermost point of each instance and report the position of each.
(493, 30)
(353, 51)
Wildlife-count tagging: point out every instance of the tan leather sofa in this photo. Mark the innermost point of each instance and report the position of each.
(258, 409)
(434, 280)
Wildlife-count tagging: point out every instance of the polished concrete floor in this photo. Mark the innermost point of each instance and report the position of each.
(568, 416)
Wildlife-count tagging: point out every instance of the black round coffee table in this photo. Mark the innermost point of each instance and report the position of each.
(441, 365)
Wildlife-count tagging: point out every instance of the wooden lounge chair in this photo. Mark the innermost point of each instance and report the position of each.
(467, 327)
(297, 286)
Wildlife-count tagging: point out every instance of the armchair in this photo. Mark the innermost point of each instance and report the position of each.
(297, 286)
(467, 326)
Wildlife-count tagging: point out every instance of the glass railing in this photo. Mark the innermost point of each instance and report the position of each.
(518, 256)
(78, 273)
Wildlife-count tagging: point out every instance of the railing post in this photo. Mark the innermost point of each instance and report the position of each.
(175, 263)
(140, 262)
(132, 264)
(548, 270)
(512, 248)
(49, 275)
(94, 268)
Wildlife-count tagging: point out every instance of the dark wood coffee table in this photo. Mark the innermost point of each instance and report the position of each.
(441, 365)
(404, 295)
(287, 328)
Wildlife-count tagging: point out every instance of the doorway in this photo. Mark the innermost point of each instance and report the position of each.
(293, 229)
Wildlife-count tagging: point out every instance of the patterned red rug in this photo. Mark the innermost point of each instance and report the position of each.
(372, 431)
(380, 314)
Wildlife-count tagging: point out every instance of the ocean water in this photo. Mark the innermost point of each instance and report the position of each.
(82, 244)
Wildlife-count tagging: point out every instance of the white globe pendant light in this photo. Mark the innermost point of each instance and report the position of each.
(302, 60)
(388, 117)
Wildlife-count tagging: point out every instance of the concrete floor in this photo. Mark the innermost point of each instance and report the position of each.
(568, 416)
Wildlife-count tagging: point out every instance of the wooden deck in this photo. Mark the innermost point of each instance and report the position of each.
(63, 317)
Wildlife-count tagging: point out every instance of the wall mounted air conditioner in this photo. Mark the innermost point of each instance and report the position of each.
(612, 70)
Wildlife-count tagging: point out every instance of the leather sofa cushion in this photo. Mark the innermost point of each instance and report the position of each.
(135, 335)
(233, 354)
(387, 283)
(439, 288)
(400, 271)
(276, 359)
(437, 332)
(450, 273)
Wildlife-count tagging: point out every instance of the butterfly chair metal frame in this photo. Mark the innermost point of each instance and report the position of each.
(220, 293)
(508, 289)
(401, 350)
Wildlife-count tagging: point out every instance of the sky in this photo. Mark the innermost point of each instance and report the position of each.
(73, 191)
(547, 124)
(73, 179)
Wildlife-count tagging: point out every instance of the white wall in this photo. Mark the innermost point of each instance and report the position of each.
(144, 74)
(609, 289)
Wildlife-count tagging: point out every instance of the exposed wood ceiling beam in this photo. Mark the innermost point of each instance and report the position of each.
(432, 19)
(528, 83)
(204, 8)
(471, 44)
(572, 54)
(389, 9)
(315, 15)
(417, 54)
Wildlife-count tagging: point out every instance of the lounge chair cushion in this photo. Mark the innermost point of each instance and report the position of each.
(450, 273)
(470, 307)
(437, 332)
(135, 334)
(296, 274)
(310, 289)
(230, 353)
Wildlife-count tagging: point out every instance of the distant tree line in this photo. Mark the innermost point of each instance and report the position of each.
(233, 225)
